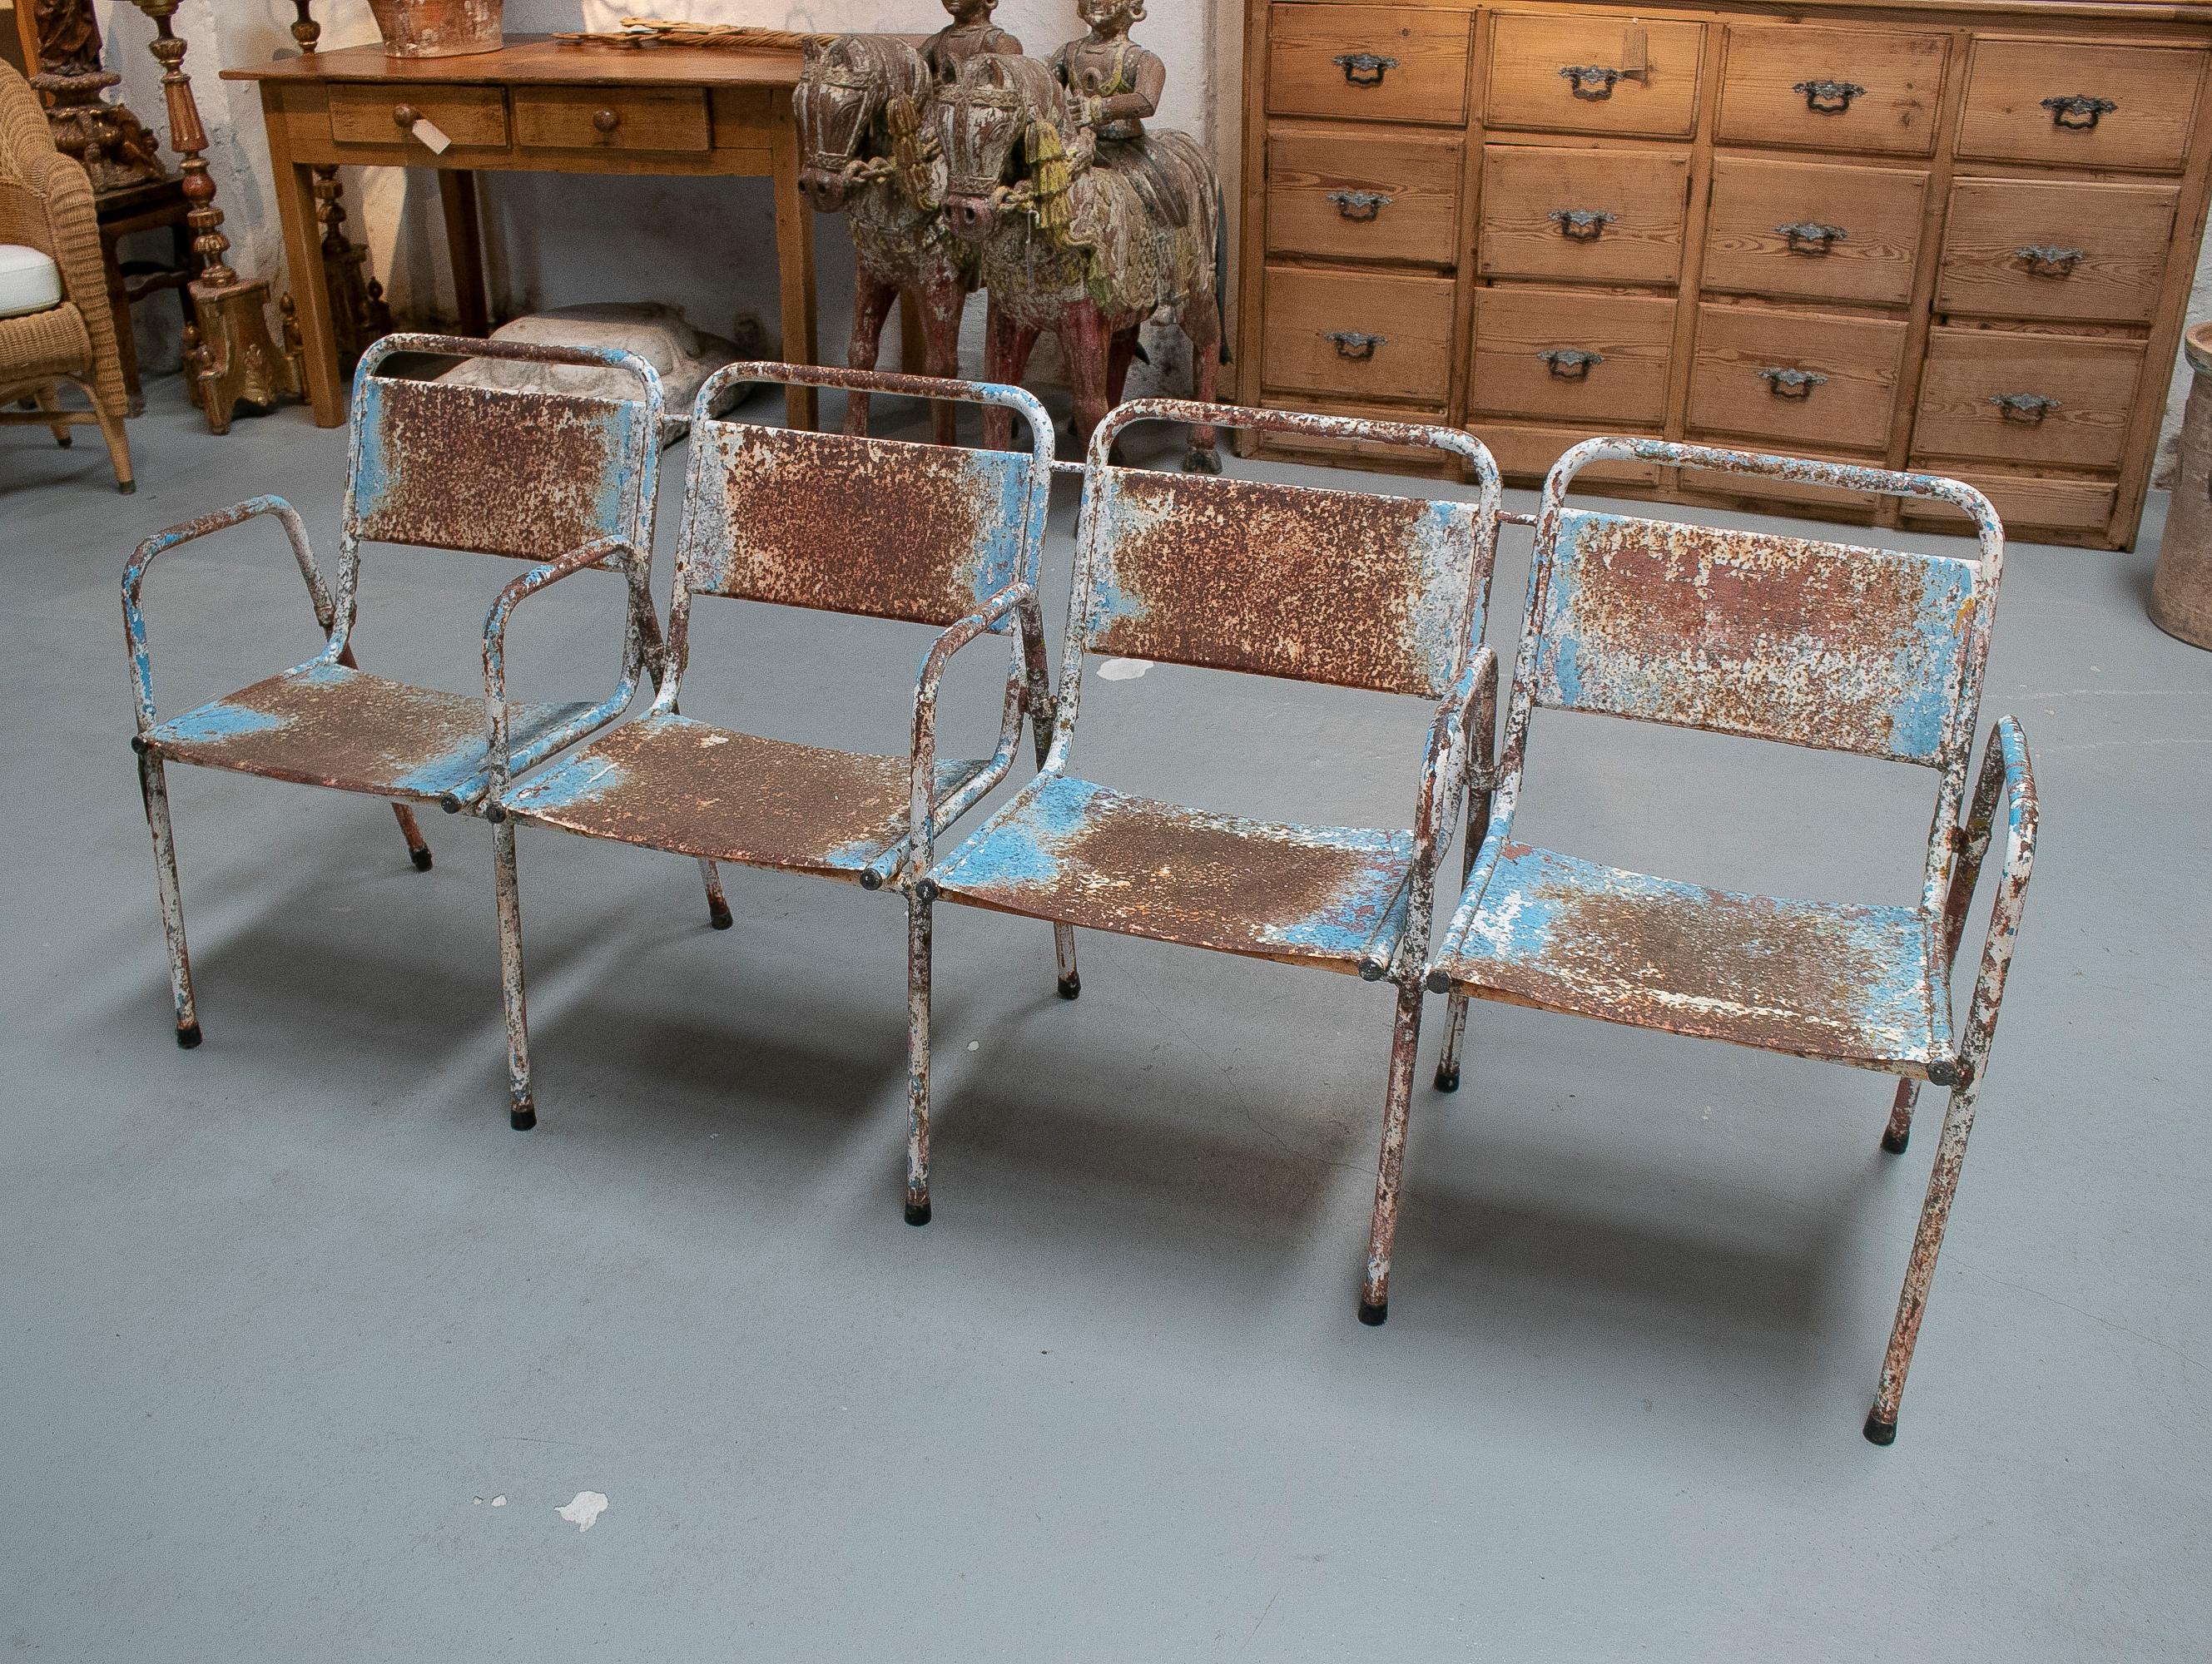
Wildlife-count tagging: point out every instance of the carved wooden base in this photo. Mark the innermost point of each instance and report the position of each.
(230, 357)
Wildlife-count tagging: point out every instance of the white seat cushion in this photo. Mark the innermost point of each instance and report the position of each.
(29, 280)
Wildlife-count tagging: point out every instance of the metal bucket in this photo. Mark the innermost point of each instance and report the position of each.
(438, 28)
(2181, 592)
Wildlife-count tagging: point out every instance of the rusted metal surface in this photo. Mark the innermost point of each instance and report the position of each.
(423, 461)
(836, 523)
(667, 782)
(1818, 645)
(1320, 585)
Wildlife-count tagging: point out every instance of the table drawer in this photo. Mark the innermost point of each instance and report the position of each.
(1381, 63)
(1364, 197)
(1564, 74)
(1793, 379)
(1813, 230)
(1611, 216)
(2005, 396)
(612, 118)
(1831, 89)
(1380, 335)
(474, 117)
(2047, 504)
(1570, 356)
(1526, 452)
(2073, 250)
(2079, 105)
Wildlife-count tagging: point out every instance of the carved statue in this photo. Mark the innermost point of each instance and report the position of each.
(111, 142)
(869, 148)
(969, 35)
(1087, 225)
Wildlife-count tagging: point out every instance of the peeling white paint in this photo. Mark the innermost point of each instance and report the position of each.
(584, 1512)
(1124, 669)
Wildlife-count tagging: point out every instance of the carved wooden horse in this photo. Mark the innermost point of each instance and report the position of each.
(1089, 252)
(869, 148)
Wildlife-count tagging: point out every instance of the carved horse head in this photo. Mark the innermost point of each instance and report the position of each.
(852, 91)
(1004, 126)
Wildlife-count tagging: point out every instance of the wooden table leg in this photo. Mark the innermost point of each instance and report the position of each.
(794, 260)
(118, 306)
(457, 191)
(303, 256)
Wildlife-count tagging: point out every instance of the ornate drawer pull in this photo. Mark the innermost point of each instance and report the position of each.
(1584, 225)
(1811, 237)
(1569, 363)
(1792, 384)
(2049, 259)
(1829, 98)
(2030, 408)
(2078, 112)
(1351, 343)
(1360, 204)
(405, 116)
(1364, 68)
(1590, 81)
(606, 121)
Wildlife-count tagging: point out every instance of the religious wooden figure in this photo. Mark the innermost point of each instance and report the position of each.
(969, 35)
(114, 145)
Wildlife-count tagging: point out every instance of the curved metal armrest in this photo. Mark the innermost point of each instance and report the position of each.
(1459, 743)
(2005, 772)
(911, 859)
(500, 765)
(134, 577)
(1482, 864)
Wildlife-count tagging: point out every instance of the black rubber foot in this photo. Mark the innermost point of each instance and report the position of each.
(129, 488)
(1895, 1142)
(189, 1035)
(1372, 1316)
(1070, 987)
(421, 859)
(917, 1213)
(1447, 1079)
(66, 441)
(1879, 1431)
(522, 1117)
(718, 915)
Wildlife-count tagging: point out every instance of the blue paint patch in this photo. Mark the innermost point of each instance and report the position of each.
(582, 779)
(862, 854)
(456, 770)
(1927, 669)
(214, 723)
(372, 471)
(1372, 910)
(1016, 848)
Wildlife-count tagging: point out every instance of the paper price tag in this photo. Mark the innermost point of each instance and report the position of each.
(432, 135)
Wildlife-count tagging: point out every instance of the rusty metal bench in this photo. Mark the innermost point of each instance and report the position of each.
(1343, 587)
(927, 534)
(474, 470)
(1814, 644)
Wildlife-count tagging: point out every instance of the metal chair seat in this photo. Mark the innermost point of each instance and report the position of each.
(670, 783)
(1081, 854)
(323, 724)
(1848, 984)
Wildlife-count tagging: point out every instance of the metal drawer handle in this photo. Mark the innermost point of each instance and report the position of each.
(1364, 68)
(606, 121)
(1569, 363)
(1590, 81)
(1351, 343)
(1360, 204)
(1829, 98)
(405, 116)
(1584, 225)
(1811, 237)
(2077, 112)
(2030, 408)
(1792, 384)
(2049, 259)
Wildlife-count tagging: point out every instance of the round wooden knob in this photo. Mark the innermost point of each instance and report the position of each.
(405, 116)
(606, 120)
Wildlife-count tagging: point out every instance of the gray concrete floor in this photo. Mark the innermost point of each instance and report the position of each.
(282, 1319)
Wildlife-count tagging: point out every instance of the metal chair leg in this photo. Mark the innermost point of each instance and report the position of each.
(417, 850)
(522, 1112)
(1898, 1133)
(153, 786)
(918, 927)
(1405, 1041)
(1920, 1270)
(718, 905)
(1063, 953)
(1455, 1036)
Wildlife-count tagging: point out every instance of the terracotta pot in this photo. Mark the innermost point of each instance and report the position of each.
(438, 28)
(2181, 592)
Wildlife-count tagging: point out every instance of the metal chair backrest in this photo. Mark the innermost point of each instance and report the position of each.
(837, 523)
(1350, 588)
(1838, 647)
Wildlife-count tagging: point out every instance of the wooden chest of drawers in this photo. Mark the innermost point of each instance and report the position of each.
(1936, 234)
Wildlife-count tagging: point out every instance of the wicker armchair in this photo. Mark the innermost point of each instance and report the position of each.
(46, 204)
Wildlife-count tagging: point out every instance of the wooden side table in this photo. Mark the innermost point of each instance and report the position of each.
(537, 106)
